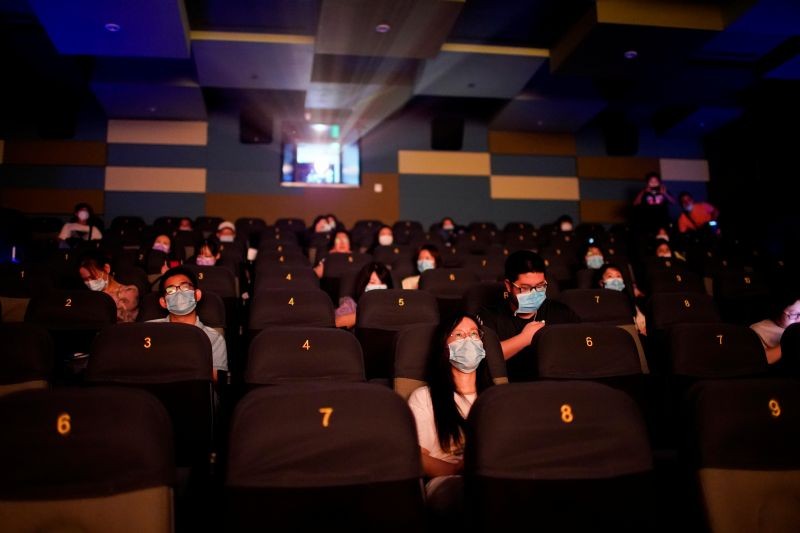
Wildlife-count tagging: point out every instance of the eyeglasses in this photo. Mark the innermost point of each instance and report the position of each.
(792, 316)
(183, 287)
(459, 335)
(524, 289)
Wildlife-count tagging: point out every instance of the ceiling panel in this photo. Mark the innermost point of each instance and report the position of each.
(151, 101)
(415, 28)
(271, 16)
(476, 75)
(364, 69)
(548, 115)
(146, 28)
(253, 65)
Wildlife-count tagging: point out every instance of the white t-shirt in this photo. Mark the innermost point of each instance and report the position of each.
(422, 407)
(769, 332)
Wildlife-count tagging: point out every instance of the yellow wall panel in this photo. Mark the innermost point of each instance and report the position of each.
(528, 143)
(684, 170)
(63, 153)
(534, 188)
(46, 201)
(349, 205)
(444, 163)
(604, 211)
(172, 132)
(616, 167)
(155, 179)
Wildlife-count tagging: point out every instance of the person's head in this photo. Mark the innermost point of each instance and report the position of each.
(373, 276)
(385, 235)
(785, 305)
(340, 244)
(662, 233)
(686, 201)
(333, 222)
(185, 224)
(663, 249)
(611, 278)
(593, 256)
(321, 224)
(83, 212)
(525, 281)
(565, 223)
(162, 243)
(448, 224)
(178, 292)
(226, 231)
(208, 253)
(95, 270)
(427, 258)
(653, 181)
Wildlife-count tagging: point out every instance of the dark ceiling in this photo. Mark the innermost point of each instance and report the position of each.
(534, 65)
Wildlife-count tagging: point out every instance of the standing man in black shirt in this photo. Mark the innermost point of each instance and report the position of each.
(525, 311)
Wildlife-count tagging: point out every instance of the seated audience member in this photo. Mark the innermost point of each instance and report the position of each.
(457, 374)
(372, 276)
(593, 260)
(525, 311)
(695, 215)
(384, 237)
(82, 226)
(339, 245)
(164, 258)
(185, 224)
(95, 271)
(226, 231)
(427, 258)
(207, 254)
(785, 312)
(610, 277)
(565, 224)
(179, 295)
(447, 231)
(664, 250)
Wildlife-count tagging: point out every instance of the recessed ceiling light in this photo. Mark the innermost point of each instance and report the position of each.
(319, 127)
(112, 27)
(383, 27)
(631, 54)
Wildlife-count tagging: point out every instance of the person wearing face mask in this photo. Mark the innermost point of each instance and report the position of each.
(226, 231)
(457, 374)
(340, 244)
(695, 216)
(447, 231)
(208, 253)
(427, 258)
(785, 311)
(95, 271)
(385, 236)
(160, 256)
(610, 277)
(524, 312)
(372, 276)
(593, 260)
(82, 227)
(179, 296)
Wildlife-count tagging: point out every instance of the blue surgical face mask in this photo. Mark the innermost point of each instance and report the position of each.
(425, 264)
(594, 261)
(530, 302)
(466, 354)
(375, 286)
(226, 238)
(181, 302)
(615, 284)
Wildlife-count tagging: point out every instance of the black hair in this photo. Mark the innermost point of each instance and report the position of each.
(652, 174)
(212, 244)
(93, 259)
(450, 425)
(176, 271)
(521, 262)
(433, 250)
(336, 232)
(362, 278)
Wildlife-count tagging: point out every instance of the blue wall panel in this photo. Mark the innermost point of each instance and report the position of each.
(152, 205)
(429, 198)
(51, 177)
(146, 155)
(530, 165)
(537, 212)
(596, 189)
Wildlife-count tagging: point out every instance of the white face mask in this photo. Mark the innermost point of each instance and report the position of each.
(375, 286)
(226, 238)
(96, 284)
(83, 215)
(385, 240)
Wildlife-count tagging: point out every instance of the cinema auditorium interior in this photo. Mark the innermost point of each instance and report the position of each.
(399, 265)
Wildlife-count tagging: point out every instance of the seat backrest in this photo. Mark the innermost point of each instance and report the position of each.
(585, 351)
(670, 308)
(174, 362)
(281, 355)
(217, 279)
(563, 456)
(675, 281)
(290, 307)
(277, 276)
(790, 350)
(26, 360)
(406, 231)
(448, 282)
(393, 255)
(70, 310)
(287, 257)
(347, 450)
(381, 315)
(98, 459)
(486, 267)
(744, 442)
(599, 306)
(338, 265)
(715, 350)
